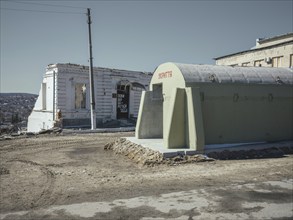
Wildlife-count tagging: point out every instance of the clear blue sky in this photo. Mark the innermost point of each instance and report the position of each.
(133, 35)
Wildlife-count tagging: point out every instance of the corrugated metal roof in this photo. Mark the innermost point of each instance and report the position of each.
(227, 74)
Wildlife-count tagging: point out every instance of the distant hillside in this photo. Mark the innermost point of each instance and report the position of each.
(16, 107)
(17, 94)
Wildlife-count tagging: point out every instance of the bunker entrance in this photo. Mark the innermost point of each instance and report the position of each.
(157, 100)
(158, 92)
(150, 116)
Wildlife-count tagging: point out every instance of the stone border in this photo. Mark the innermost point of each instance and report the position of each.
(148, 157)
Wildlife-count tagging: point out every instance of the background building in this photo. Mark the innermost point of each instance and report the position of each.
(268, 52)
(65, 94)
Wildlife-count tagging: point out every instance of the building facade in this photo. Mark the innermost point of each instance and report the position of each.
(268, 52)
(65, 96)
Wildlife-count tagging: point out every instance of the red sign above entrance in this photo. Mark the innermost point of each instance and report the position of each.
(166, 74)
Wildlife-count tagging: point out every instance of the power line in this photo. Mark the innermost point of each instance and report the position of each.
(43, 11)
(45, 4)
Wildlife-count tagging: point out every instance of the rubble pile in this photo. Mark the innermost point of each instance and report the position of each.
(137, 153)
(145, 156)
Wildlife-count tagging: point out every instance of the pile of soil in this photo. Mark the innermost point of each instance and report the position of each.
(145, 156)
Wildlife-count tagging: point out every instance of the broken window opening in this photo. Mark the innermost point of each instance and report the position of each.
(80, 96)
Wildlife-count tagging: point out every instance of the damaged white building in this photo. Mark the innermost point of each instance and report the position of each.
(65, 95)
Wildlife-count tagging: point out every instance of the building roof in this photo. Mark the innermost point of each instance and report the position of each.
(83, 67)
(263, 41)
(278, 37)
(227, 74)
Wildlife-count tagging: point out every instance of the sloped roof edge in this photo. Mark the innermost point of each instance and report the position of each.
(254, 49)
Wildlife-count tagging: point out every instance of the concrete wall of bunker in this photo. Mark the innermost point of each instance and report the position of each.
(150, 117)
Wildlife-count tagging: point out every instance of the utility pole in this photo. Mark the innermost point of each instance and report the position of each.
(54, 96)
(91, 76)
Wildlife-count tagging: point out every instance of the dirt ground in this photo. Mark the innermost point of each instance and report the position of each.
(50, 170)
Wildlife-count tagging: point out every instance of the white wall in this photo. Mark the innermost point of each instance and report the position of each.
(41, 118)
(248, 58)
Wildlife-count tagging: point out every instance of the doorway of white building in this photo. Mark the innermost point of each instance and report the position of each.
(122, 101)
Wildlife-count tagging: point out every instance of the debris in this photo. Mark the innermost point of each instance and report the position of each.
(55, 130)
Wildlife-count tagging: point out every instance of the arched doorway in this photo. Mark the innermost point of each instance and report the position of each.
(122, 100)
(123, 97)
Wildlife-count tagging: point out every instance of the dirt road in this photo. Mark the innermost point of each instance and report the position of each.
(53, 176)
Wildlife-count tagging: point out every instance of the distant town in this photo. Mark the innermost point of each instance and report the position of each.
(15, 109)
